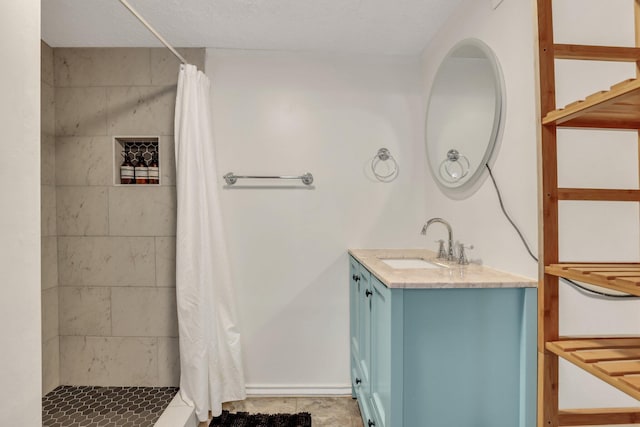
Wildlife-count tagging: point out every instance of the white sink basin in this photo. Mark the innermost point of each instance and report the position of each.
(409, 263)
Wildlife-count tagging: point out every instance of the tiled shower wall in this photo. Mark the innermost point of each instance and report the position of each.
(117, 309)
(49, 281)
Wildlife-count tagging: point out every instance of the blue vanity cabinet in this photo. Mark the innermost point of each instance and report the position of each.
(440, 357)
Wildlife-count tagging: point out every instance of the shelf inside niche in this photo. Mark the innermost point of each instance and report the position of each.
(133, 146)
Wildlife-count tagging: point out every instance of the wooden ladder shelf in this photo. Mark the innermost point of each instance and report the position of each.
(615, 360)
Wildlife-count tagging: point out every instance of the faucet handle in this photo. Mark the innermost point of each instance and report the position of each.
(442, 254)
(462, 256)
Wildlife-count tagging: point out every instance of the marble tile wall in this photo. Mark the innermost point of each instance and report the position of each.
(49, 246)
(115, 244)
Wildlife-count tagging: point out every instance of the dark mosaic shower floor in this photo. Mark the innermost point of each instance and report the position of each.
(79, 406)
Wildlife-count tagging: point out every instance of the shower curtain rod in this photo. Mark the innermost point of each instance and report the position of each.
(154, 32)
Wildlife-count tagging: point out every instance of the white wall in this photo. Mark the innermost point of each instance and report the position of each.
(478, 220)
(587, 158)
(289, 113)
(20, 358)
(281, 113)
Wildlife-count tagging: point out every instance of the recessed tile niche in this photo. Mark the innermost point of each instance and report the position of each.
(143, 155)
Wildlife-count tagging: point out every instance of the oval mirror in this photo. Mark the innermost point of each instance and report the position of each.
(464, 118)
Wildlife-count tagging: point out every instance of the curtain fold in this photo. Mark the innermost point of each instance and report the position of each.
(210, 353)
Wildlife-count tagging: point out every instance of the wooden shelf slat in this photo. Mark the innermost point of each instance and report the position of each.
(617, 369)
(608, 354)
(596, 53)
(621, 374)
(590, 265)
(628, 281)
(621, 277)
(613, 274)
(598, 416)
(619, 107)
(580, 344)
(599, 194)
(632, 380)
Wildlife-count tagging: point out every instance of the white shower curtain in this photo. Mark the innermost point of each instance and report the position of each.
(210, 356)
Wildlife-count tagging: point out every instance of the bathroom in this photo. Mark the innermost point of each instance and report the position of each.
(295, 111)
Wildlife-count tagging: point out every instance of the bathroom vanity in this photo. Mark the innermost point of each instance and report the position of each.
(440, 346)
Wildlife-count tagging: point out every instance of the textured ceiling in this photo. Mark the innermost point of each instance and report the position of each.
(350, 26)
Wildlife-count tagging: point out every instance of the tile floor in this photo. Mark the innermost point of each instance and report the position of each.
(78, 406)
(325, 411)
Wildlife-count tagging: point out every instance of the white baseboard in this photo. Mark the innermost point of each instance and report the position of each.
(298, 390)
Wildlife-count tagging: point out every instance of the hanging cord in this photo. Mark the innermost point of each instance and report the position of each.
(582, 289)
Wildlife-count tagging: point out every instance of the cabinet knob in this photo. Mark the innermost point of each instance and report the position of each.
(358, 380)
(368, 293)
(355, 277)
(371, 423)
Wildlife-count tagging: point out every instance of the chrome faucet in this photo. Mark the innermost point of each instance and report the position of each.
(450, 255)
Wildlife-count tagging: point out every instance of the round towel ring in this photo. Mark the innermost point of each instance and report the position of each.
(454, 167)
(384, 155)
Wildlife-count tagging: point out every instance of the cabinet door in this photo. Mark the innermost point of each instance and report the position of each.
(354, 307)
(381, 350)
(360, 339)
(364, 327)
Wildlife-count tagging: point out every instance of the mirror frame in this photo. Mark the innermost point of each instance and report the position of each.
(480, 173)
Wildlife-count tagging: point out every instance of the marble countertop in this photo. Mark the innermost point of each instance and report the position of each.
(455, 276)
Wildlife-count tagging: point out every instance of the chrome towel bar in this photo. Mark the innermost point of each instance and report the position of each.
(231, 178)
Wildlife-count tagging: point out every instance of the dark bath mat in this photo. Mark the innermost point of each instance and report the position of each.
(244, 419)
